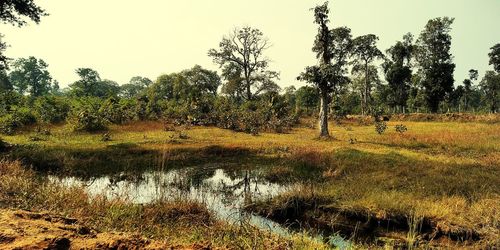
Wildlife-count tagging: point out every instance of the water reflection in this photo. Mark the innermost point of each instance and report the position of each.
(223, 191)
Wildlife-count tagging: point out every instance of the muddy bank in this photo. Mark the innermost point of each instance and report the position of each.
(365, 227)
(21, 229)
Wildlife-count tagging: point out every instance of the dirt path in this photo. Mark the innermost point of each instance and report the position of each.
(29, 230)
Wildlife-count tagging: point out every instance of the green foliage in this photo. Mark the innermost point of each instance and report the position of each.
(495, 57)
(380, 127)
(85, 116)
(241, 55)
(401, 128)
(19, 118)
(332, 48)
(307, 100)
(30, 76)
(118, 111)
(398, 71)
(136, 86)
(91, 85)
(490, 85)
(51, 109)
(435, 60)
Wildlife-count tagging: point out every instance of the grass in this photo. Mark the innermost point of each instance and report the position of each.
(447, 172)
(179, 222)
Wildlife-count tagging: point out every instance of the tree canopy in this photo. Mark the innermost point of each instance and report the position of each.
(435, 61)
(242, 52)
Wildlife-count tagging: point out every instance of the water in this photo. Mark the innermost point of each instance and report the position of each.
(223, 191)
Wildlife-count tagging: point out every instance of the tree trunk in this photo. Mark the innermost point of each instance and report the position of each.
(323, 115)
(366, 87)
(249, 93)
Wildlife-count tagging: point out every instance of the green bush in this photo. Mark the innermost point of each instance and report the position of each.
(118, 111)
(85, 116)
(19, 118)
(51, 109)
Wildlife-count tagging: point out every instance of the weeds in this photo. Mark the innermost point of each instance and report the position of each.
(401, 128)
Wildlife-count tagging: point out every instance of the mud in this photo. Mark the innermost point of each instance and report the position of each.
(33, 231)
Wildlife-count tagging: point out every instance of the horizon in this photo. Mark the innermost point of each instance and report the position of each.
(162, 38)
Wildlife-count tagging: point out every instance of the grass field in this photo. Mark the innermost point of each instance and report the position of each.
(436, 184)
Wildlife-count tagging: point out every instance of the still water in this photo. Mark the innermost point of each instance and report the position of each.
(223, 191)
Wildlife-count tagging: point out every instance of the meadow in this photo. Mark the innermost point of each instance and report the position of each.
(437, 184)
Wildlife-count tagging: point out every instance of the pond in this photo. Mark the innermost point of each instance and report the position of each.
(225, 191)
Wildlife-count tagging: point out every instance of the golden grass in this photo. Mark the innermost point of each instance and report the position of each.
(448, 171)
(179, 222)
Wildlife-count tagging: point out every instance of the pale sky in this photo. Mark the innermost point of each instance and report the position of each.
(125, 38)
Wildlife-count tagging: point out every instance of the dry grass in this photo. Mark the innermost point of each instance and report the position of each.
(445, 170)
(179, 222)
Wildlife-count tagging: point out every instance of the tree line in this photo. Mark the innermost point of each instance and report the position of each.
(352, 76)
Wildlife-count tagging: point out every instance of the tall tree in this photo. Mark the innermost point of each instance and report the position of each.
(468, 87)
(30, 76)
(398, 71)
(435, 61)
(135, 86)
(15, 12)
(5, 84)
(365, 52)
(363, 82)
(3, 59)
(202, 80)
(244, 49)
(490, 85)
(233, 86)
(495, 57)
(332, 48)
(90, 84)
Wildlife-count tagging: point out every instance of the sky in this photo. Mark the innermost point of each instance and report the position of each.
(125, 38)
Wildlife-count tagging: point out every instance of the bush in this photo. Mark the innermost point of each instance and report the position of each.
(401, 128)
(51, 109)
(118, 111)
(18, 119)
(380, 127)
(86, 116)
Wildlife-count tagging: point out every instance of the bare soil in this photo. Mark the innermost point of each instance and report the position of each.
(30, 230)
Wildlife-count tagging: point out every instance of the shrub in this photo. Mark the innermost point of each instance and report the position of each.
(118, 111)
(18, 119)
(401, 128)
(86, 116)
(380, 127)
(51, 109)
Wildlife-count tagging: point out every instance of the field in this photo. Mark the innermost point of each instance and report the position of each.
(436, 184)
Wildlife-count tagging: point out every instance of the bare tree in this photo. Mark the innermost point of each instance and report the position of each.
(244, 49)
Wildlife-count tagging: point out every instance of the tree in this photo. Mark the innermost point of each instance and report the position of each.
(136, 86)
(435, 61)
(30, 75)
(490, 85)
(202, 80)
(363, 81)
(398, 72)
(5, 84)
(307, 99)
(244, 50)
(3, 59)
(365, 51)
(91, 85)
(332, 48)
(87, 84)
(495, 57)
(468, 87)
(233, 86)
(14, 12)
